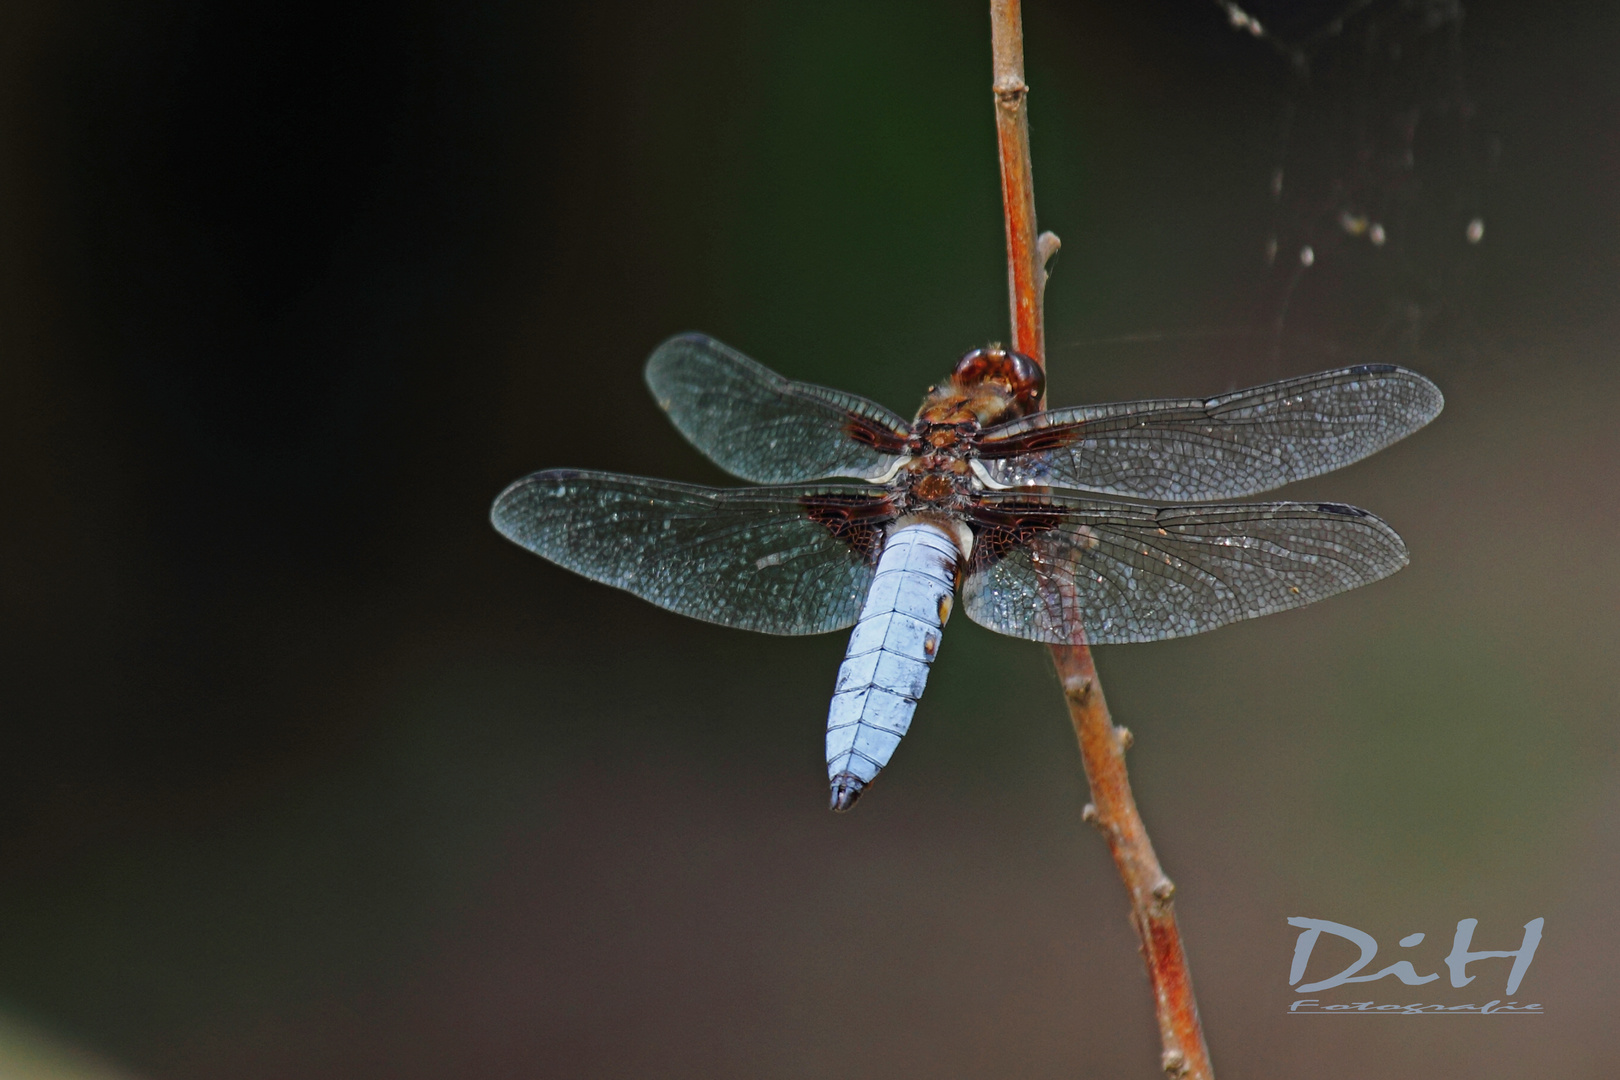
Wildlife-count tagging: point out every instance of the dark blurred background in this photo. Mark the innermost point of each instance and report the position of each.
(306, 772)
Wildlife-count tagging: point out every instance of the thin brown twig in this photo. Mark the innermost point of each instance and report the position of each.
(1025, 269)
(1102, 745)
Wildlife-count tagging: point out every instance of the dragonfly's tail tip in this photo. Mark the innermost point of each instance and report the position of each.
(845, 790)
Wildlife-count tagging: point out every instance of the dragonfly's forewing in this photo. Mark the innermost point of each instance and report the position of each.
(764, 428)
(780, 560)
(1227, 447)
(1043, 566)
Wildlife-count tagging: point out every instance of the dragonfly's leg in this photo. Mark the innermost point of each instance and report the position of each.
(886, 666)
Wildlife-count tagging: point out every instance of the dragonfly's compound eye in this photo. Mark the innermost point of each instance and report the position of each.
(1026, 379)
(976, 365)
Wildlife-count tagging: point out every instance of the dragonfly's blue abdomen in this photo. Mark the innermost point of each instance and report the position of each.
(886, 665)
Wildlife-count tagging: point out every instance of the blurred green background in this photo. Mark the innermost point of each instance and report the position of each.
(306, 772)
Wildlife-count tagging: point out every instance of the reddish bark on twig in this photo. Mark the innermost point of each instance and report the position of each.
(1102, 745)
(1025, 269)
(1113, 811)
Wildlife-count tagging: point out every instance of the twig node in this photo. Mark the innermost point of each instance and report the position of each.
(1010, 90)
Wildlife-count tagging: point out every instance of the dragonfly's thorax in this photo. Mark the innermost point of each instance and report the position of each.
(937, 475)
(989, 386)
(940, 443)
(938, 457)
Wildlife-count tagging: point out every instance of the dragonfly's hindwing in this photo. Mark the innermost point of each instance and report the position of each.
(886, 665)
(1046, 568)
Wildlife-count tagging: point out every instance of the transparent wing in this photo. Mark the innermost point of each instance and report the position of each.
(1227, 447)
(1129, 573)
(757, 425)
(785, 560)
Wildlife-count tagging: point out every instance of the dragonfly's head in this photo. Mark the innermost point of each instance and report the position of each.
(992, 384)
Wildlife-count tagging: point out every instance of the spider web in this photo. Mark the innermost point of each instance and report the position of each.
(1379, 174)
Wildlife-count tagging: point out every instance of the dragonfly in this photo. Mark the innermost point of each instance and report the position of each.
(1100, 524)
